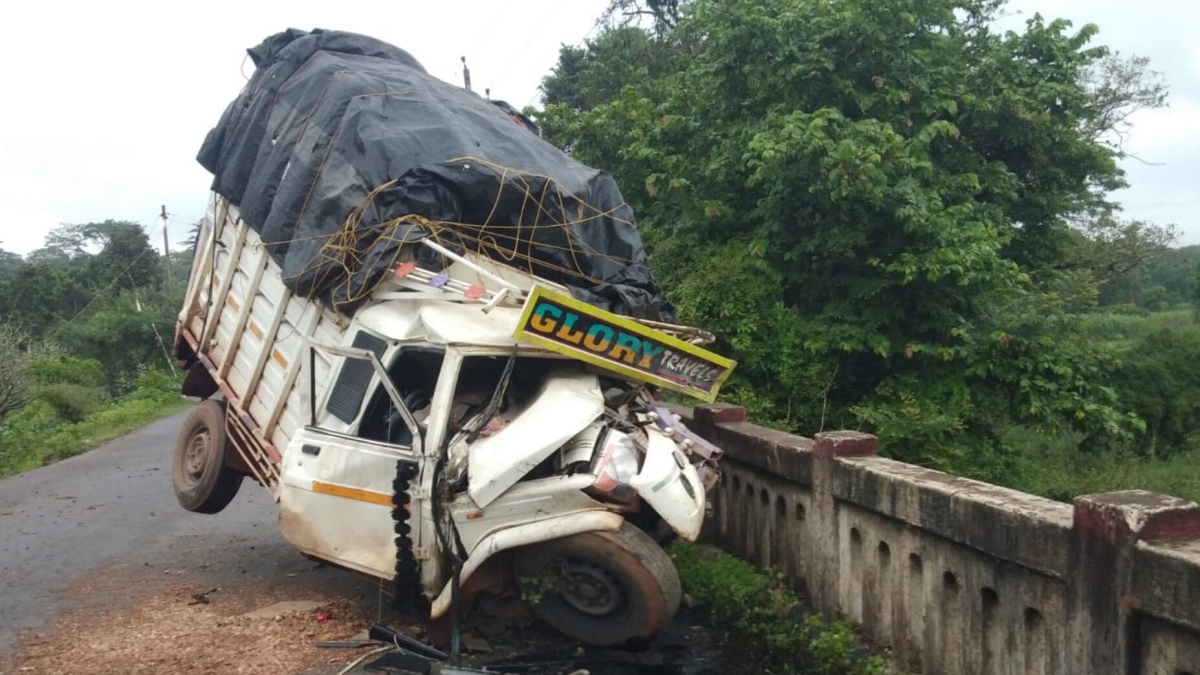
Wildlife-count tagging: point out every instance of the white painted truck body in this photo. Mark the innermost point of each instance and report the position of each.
(299, 414)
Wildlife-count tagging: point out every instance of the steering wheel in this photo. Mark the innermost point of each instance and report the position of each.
(398, 431)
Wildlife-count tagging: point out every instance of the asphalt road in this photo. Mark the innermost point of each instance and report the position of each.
(110, 515)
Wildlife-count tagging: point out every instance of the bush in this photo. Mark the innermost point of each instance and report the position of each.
(155, 385)
(72, 402)
(23, 431)
(40, 433)
(758, 618)
(1061, 467)
(67, 370)
(1159, 380)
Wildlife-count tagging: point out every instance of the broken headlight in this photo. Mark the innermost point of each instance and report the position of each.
(615, 465)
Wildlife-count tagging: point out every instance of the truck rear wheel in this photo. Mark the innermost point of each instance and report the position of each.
(203, 483)
(601, 588)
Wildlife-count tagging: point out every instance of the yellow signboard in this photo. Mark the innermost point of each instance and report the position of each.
(573, 328)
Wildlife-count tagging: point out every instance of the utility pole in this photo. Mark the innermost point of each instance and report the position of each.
(466, 74)
(166, 244)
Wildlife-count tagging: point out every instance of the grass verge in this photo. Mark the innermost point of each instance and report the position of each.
(761, 623)
(1061, 467)
(35, 436)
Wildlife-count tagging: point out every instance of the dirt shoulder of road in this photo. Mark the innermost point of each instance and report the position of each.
(188, 628)
(130, 620)
(168, 634)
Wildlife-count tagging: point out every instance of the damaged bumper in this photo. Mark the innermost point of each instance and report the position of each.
(671, 486)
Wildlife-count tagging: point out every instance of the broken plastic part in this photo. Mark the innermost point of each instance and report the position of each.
(401, 662)
(670, 489)
(664, 420)
(578, 453)
(616, 465)
(389, 636)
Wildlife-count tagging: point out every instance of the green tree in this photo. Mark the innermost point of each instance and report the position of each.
(126, 332)
(1118, 257)
(109, 253)
(899, 175)
(1159, 378)
(9, 263)
(1195, 287)
(663, 14)
(39, 295)
(15, 355)
(193, 235)
(1173, 271)
(1120, 86)
(125, 256)
(99, 289)
(595, 74)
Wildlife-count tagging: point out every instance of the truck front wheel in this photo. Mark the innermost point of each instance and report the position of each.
(601, 588)
(203, 483)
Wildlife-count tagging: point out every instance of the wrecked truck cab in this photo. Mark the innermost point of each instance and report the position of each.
(431, 428)
(421, 319)
(435, 424)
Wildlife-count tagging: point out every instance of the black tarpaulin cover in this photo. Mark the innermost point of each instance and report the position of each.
(341, 151)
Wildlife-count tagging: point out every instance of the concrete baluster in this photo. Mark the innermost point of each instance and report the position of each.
(826, 563)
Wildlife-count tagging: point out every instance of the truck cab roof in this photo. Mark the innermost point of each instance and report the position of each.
(444, 323)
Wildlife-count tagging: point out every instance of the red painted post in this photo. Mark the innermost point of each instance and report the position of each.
(1101, 607)
(826, 563)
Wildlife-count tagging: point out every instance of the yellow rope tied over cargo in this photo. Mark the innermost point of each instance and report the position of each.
(343, 253)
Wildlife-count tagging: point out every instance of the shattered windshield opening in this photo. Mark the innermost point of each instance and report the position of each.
(477, 382)
(469, 417)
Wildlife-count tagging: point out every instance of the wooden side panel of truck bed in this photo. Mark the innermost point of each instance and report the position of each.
(251, 332)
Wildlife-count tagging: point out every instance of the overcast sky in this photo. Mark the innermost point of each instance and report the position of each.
(106, 103)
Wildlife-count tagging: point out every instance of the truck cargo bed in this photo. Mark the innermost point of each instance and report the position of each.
(253, 340)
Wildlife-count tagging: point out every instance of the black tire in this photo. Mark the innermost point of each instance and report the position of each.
(652, 524)
(203, 482)
(601, 588)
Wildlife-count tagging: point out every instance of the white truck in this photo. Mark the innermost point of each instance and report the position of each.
(472, 418)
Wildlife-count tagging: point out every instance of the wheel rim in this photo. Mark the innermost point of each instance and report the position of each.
(195, 459)
(590, 589)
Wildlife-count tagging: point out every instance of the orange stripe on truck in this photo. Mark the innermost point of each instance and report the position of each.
(356, 494)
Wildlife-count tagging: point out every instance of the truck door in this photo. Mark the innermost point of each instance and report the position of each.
(337, 497)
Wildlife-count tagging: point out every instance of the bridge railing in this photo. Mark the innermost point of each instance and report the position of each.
(956, 576)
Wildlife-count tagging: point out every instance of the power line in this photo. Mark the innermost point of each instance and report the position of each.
(528, 41)
(153, 326)
(112, 283)
(485, 35)
(537, 92)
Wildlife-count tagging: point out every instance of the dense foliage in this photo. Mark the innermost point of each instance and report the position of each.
(87, 323)
(892, 213)
(761, 623)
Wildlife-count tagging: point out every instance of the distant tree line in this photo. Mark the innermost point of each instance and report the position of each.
(86, 315)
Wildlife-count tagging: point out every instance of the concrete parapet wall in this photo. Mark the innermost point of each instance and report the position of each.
(956, 576)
